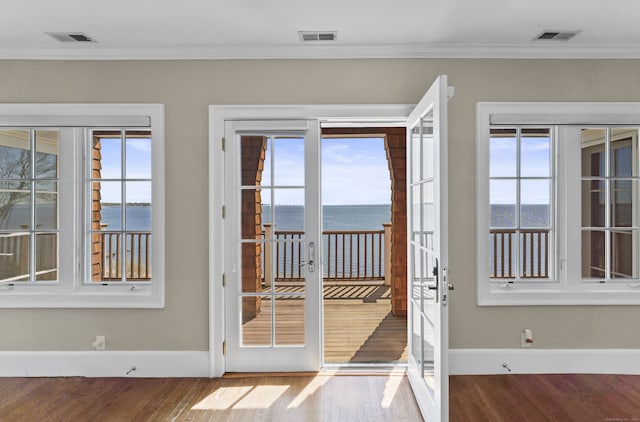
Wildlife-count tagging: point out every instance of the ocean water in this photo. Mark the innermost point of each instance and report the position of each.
(334, 217)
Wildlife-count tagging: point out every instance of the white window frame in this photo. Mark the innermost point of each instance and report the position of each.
(565, 286)
(73, 289)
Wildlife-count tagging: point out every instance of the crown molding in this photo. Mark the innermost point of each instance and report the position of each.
(535, 50)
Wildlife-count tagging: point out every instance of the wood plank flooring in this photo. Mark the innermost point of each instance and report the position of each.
(541, 398)
(267, 398)
(358, 324)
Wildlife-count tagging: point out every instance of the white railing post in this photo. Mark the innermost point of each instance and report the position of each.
(387, 253)
(268, 267)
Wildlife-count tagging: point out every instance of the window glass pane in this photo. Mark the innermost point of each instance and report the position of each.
(107, 205)
(107, 155)
(622, 202)
(46, 257)
(624, 141)
(593, 203)
(15, 154)
(138, 205)
(14, 257)
(622, 253)
(107, 265)
(288, 161)
(502, 248)
(137, 247)
(47, 152)
(502, 199)
(503, 153)
(534, 249)
(46, 206)
(593, 152)
(535, 203)
(593, 254)
(15, 205)
(535, 153)
(138, 150)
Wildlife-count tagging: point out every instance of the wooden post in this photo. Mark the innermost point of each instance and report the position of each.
(387, 253)
(268, 268)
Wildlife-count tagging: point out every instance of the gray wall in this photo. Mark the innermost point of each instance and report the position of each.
(187, 87)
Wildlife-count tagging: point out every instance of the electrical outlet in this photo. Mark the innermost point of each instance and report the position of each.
(526, 338)
(99, 343)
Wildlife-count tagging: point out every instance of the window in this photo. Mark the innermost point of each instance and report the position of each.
(558, 220)
(81, 206)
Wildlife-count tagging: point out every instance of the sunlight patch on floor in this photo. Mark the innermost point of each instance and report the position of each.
(391, 387)
(309, 390)
(261, 397)
(223, 398)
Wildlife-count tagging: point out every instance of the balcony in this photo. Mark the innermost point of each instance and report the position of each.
(533, 247)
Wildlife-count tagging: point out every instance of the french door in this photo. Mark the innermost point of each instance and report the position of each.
(427, 252)
(272, 202)
(273, 273)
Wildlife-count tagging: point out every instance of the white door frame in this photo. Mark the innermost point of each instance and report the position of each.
(333, 115)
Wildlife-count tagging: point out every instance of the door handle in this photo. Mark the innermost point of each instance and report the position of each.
(312, 256)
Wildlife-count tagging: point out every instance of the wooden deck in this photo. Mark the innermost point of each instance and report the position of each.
(358, 324)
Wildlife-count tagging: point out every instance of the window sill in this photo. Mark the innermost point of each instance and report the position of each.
(519, 295)
(83, 297)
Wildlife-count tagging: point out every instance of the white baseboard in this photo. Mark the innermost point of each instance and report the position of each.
(544, 361)
(149, 364)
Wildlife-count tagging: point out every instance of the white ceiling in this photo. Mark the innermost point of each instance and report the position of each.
(166, 29)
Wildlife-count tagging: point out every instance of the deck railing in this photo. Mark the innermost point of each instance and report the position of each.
(137, 256)
(533, 250)
(14, 256)
(348, 255)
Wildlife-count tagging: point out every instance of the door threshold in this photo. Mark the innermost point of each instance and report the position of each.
(367, 369)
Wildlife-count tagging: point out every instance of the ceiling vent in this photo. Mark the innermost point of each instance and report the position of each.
(318, 36)
(71, 37)
(556, 35)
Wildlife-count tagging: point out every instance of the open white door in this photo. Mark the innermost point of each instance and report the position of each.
(272, 210)
(428, 370)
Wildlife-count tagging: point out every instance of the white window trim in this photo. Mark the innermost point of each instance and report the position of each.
(568, 289)
(70, 291)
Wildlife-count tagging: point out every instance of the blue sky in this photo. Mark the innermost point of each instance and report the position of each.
(138, 166)
(535, 163)
(354, 171)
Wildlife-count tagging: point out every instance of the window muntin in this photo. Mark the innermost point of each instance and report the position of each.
(120, 209)
(520, 200)
(29, 209)
(69, 192)
(609, 187)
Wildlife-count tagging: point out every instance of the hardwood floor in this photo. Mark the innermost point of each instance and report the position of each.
(267, 398)
(539, 398)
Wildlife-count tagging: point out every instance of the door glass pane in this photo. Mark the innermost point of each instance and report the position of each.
(593, 254)
(252, 256)
(256, 320)
(254, 213)
(416, 334)
(427, 148)
(107, 154)
(288, 161)
(428, 357)
(503, 153)
(416, 154)
(624, 141)
(290, 263)
(252, 155)
(290, 320)
(428, 210)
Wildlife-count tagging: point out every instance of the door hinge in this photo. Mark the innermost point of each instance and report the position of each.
(224, 280)
(224, 348)
(223, 143)
(223, 211)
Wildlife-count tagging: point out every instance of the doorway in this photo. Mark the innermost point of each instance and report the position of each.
(364, 245)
